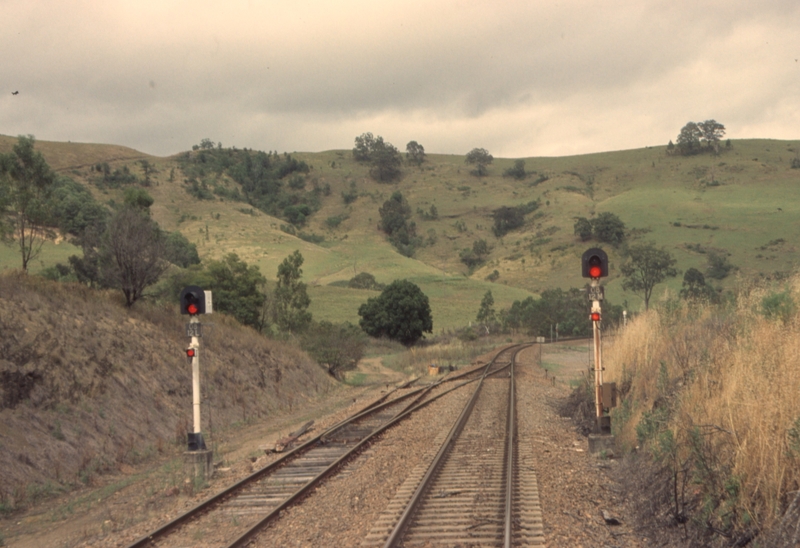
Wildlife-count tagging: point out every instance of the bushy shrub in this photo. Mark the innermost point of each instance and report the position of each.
(337, 347)
(365, 280)
(778, 306)
(401, 312)
(517, 172)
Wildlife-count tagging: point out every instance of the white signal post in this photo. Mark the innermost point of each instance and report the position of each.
(598, 356)
(196, 377)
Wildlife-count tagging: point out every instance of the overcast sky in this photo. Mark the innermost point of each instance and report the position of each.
(519, 78)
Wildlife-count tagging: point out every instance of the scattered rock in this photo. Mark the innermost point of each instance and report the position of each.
(609, 519)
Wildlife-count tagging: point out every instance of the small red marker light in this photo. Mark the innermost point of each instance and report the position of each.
(191, 352)
(595, 316)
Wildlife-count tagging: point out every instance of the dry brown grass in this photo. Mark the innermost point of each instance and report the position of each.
(451, 352)
(87, 384)
(712, 395)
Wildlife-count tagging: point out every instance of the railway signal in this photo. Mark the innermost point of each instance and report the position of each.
(193, 300)
(594, 263)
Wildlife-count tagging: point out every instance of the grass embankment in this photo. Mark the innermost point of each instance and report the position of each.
(710, 395)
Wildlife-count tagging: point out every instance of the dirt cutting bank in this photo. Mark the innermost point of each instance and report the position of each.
(88, 386)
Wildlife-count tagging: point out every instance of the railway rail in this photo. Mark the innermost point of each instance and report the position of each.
(478, 489)
(259, 498)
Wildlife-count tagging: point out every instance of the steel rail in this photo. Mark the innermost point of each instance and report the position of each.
(248, 535)
(294, 453)
(232, 490)
(510, 435)
(439, 459)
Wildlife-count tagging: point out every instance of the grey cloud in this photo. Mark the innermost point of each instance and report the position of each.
(305, 76)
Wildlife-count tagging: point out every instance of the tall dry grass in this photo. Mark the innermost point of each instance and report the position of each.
(712, 395)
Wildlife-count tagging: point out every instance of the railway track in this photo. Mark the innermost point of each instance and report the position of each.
(479, 488)
(250, 504)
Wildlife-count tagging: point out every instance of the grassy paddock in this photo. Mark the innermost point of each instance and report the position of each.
(51, 254)
(711, 395)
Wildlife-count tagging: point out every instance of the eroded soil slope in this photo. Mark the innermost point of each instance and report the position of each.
(88, 386)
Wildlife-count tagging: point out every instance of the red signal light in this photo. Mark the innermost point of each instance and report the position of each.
(193, 300)
(191, 352)
(595, 316)
(594, 263)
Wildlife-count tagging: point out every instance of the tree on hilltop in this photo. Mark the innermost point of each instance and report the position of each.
(688, 140)
(713, 132)
(415, 153)
(480, 158)
(517, 172)
(384, 161)
(694, 138)
(363, 148)
(383, 158)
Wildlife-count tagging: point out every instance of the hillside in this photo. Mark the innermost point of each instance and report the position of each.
(740, 204)
(87, 385)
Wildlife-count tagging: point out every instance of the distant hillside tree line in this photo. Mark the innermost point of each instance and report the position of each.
(271, 182)
(125, 249)
(566, 311)
(476, 255)
(383, 158)
(506, 219)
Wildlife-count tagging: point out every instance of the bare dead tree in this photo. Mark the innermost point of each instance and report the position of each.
(135, 253)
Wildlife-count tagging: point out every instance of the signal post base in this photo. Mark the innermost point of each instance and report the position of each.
(198, 465)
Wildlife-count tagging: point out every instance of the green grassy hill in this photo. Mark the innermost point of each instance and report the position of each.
(743, 202)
